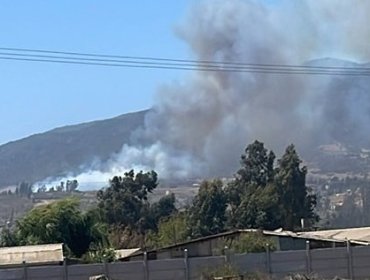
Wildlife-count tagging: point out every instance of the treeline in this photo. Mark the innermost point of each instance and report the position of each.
(265, 193)
(63, 186)
(26, 189)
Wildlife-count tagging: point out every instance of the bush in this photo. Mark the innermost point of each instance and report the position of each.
(252, 242)
(100, 256)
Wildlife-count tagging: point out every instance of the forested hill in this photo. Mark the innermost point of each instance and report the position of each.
(64, 149)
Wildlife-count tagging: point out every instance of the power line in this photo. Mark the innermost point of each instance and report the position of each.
(208, 62)
(37, 55)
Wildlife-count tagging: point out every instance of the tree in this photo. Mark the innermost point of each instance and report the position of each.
(42, 189)
(207, 215)
(257, 165)
(125, 201)
(8, 238)
(252, 194)
(71, 185)
(294, 198)
(259, 210)
(163, 209)
(24, 189)
(262, 196)
(61, 222)
(170, 231)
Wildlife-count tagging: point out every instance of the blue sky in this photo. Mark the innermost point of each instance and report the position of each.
(35, 97)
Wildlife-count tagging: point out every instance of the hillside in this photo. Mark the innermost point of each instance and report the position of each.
(65, 149)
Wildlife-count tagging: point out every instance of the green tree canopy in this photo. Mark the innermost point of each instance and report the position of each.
(207, 215)
(252, 194)
(294, 197)
(269, 197)
(162, 209)
(170, 231)
(125, 201)
(60, 222)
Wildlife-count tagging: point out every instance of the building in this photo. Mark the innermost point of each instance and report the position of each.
(31, 255)
(214, 245)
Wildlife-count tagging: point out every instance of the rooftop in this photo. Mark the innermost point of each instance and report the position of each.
(34, 254)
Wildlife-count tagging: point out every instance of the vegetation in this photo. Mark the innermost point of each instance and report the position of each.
(252, 242)
(172, 230)
(207, 215)
(264, 194)
(59, 222)
(268, 197)
(126, 209)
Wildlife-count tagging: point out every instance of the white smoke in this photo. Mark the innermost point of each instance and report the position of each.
(200, 127)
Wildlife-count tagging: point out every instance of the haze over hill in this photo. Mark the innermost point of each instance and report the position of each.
(64, 150)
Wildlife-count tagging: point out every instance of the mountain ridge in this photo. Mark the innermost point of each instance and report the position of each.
(65, 149)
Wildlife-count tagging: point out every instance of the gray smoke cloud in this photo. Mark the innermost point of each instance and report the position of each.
(213, 115)
(201, 125)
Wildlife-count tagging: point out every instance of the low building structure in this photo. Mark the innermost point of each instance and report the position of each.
(214, 245)
(31, 255)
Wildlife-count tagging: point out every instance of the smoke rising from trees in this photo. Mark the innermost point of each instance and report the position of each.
(202, 124)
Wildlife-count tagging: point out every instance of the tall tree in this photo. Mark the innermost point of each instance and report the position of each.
(262, 196)
(252, 194)
(125, 201)
(207, 215)
(295, 200)
(257, 165)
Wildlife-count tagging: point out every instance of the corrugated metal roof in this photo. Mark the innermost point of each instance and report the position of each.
(361, 234)
(124, 253)
(49, 253)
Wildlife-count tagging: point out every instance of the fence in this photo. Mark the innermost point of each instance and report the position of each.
(347, 262)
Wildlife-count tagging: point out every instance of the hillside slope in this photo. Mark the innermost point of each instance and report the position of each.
(65, 149)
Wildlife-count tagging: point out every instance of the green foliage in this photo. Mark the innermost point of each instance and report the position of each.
(61, 222)
(8, 238)
(124, 203)
(252, 242)
(120, 238)
(294, 198)
(252, 196)
(257, 165)
(163, 209)
(172, 230)
(207, 215)
(126, 209)
(262, 196)
(100, 255)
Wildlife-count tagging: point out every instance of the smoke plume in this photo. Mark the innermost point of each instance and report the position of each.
(200, 125)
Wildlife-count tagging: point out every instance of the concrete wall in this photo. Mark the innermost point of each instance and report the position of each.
(351, 263)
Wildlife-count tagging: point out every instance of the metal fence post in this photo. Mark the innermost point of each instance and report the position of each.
(106, 269)
(308, 257)
(25, 274)
(186, 261)
(65, 266)
(146, 272)
(350, 260)
(227, 255)
(268, 259)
